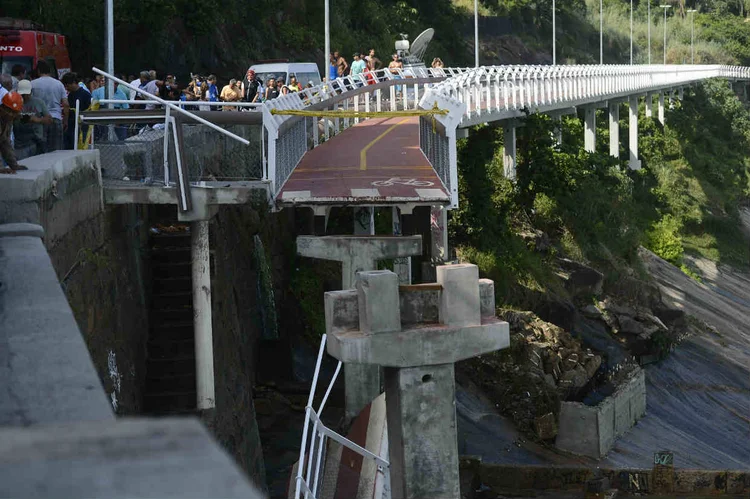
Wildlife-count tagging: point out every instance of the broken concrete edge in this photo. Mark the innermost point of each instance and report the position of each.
(510, 478)
(21, 230)
(44, 171)
(592, 430)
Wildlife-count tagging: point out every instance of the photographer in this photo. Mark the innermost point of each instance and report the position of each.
(28, 129)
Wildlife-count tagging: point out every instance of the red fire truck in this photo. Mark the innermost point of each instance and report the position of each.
(22, 42)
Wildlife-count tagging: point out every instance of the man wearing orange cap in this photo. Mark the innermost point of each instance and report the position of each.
(10, 107)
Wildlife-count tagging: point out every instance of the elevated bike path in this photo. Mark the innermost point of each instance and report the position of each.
(375, 162)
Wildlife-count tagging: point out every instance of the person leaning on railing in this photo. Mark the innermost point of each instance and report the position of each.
(28, 129)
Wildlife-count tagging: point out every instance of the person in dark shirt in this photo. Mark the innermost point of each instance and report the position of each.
(250, 86)
(75, 94)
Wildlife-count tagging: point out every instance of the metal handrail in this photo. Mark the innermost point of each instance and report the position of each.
(306, 484)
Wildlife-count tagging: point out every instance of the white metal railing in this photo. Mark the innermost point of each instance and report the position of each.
(310, 468)
(182, 104)
(498, 92)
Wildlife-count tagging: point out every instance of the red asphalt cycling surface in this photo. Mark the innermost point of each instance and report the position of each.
(377, 161)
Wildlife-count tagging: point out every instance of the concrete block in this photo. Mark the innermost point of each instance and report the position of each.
(638, 396)
(487, 298)
(459, 302)
(420, 304)
(579, 430)
(127, 458)
(378, 297)
(606, 425)
(341, 310)
(622, 418)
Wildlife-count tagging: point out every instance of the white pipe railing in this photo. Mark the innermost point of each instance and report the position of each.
(182, 103)
(311, 464)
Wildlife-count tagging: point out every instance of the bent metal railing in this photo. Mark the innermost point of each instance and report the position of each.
(312, 458)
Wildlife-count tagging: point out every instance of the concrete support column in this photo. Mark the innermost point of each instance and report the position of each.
(204, 346)
(365, 326)
(633, 162)
(427, 466)
(509, 151)
(401, 265)
(439, 230)
(661, 108)
(614, 129)
(589, 129)
(681, 93)
(649, 105)
(557, 134)
(364, 221)
(358, 254)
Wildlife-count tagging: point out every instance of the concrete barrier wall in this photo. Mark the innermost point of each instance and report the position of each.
(58, 191)
(592, 430)
(518, 479)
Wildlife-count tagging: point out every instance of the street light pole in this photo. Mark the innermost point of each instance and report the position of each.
(692, 35)
(476, 34)
(631, 32)
(665, 7)
(649, 31)
(327, 43)
(601, 32)
(109, 92)
(554, 35)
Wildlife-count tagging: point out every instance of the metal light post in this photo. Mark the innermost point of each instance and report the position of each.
(649, 31)
(601, 32)
(109, 92)
(476, 34)
(327, 43)
(554, 35)
(692, 35)
(631, 32)
(665, 7)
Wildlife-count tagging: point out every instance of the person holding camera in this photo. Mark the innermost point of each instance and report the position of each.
(28, 129)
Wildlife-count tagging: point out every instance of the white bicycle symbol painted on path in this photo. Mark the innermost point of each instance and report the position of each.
(402, 181)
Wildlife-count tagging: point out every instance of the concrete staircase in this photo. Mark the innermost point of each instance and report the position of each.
(170, 364)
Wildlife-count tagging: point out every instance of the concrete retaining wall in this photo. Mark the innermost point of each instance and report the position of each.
(518, 479)
(592, 430)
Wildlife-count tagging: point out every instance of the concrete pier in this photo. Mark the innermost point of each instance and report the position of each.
(661, 108)
(509, 151)
(358, 254)
(649, 105)
(634, 163)
(366, 326)
(614, 129)
(589, 129)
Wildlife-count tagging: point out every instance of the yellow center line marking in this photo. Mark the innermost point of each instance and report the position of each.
(363, 153)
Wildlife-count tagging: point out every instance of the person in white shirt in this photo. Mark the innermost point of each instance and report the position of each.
(55, 97)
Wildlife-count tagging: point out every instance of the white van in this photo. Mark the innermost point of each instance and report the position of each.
(305, 72)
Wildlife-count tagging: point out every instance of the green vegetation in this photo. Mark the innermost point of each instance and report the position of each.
(593, 207)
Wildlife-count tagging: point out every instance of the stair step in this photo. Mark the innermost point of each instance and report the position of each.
(171, 401)
(177, 300)
(180, 383)
(168, 316)
(179, 366)
(162, 285)
(170, 255)
(165, 332)
(167, 349)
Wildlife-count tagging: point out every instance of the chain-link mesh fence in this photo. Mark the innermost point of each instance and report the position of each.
(434, 145)
(291, 145)
(136, 152)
